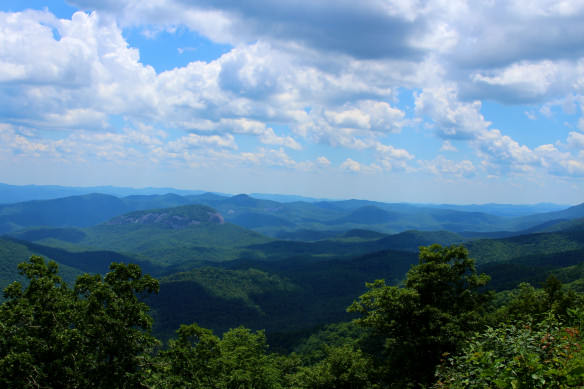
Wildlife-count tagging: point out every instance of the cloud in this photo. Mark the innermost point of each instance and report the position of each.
(451, 118)
(560, 163)
(447, 146)
(197, 141)
(464, 38)
(530, 115)
(524, 82)
(445, 167)
(265, 134)
(367, 115)
(576, 140)
(72, 81)
(273, 158)
(299, 73)
(503, 151)
(351, 166)
(363, 30)
(357, 126)
(323, 161)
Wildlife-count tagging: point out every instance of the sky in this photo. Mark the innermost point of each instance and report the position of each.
(445, 101)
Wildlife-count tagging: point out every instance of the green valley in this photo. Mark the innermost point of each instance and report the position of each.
(215, 267)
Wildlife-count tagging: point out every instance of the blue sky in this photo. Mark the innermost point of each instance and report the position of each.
(440, 101)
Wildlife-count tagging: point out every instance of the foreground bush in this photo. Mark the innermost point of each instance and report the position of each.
(518, 356)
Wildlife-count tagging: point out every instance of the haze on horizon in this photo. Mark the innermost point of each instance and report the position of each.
(396, 101)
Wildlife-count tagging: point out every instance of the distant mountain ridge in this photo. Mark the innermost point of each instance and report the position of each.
(284, 219)
(18, 193)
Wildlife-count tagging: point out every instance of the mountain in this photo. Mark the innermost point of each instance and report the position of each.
(282, 219)
(529, 257)
(165, 236)
(363, 234)
(174, 218)
(282, 198)
(12, 253)
(366, 215)
(257, 220)
(412, 240)
(570, 213)
(504, 210)
(221, 275)
(81, 211)
(278, 296)
(506, 249)
(20, 193)
(167, 200)
(306, 235)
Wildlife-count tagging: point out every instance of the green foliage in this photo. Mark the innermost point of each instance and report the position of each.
(222, 299)
(11, 254)
(527, 303)
(189, 360)
(439, 306)
(528, 245)
(38, 345)
(343, 367)
(314, 348)
(198, 359)
(114, 323)
(97, 334)
(227, 284)
(518, 356)
(94, 336)
(283, 297)
(212, 242)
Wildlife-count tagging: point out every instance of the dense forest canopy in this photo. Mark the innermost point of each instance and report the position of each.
(440, 328)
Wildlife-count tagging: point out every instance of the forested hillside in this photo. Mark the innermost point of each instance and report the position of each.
(215, 268)
(323, 275)
(441, 328)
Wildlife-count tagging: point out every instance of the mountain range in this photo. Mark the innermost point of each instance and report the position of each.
(225, 261)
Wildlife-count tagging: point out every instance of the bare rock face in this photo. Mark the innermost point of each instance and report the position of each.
(172, 218)
(216, 218)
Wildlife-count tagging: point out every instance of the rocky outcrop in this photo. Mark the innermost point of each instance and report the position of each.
(170, 218)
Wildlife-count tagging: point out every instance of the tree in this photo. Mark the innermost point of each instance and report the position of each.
(199, 359)
(440, 305)
(38, 345)
(96, 335)
(115, 325)
(190, 360)
(343, 367)
(529, 304)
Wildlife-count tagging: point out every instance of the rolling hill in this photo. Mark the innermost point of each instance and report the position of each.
(282, 219)
(167, 236)
(222, 275)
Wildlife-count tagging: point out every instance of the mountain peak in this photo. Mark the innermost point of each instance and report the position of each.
(174, 218)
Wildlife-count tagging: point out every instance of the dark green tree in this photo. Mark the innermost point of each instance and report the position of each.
(39, 346)
(115, 325)
(93, 336)
(245, 361)
(199, 359)
(191, 360)
(440, 305)
(343, 367)
(529, 304)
